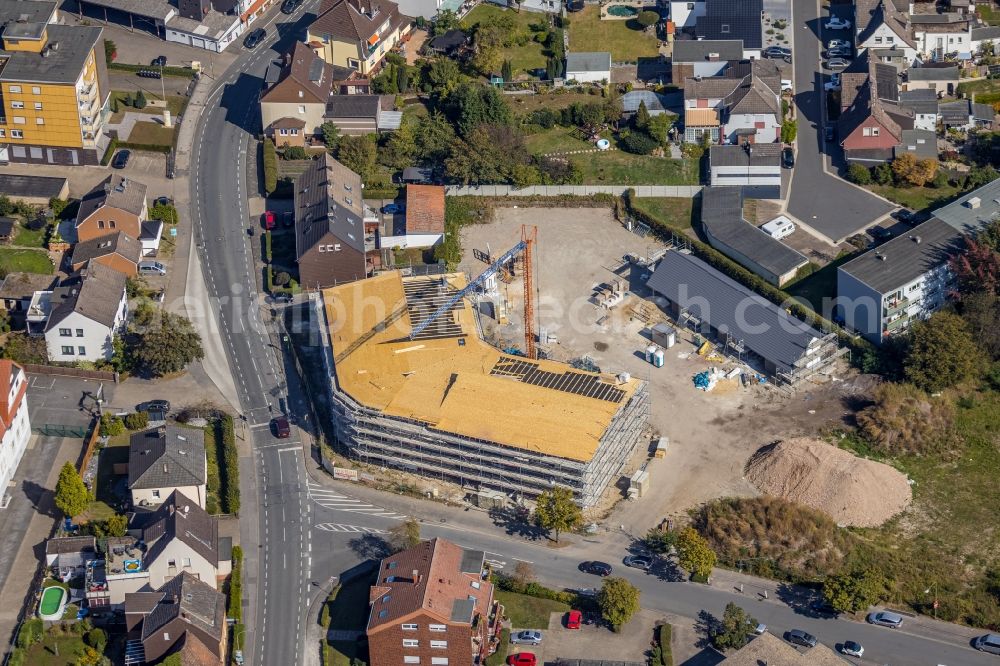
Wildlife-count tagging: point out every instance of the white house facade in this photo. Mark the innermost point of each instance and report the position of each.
(85, 316)
(14, 423)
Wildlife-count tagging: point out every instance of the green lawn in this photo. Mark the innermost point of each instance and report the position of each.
(522, 58)
(30, 237)
(917, 198)
(675, 212)
(58, 650)
(625, 39)
(554, 100)
(499, 657)
(987, 90)
(820, 285)
(152, 134)
(529, 612)
(556, 140)
(989, 13)
(621, 168)
(116, 452)
(176, 104)
(27, 261)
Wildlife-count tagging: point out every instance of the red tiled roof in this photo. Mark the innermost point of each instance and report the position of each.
(8, 409)
(424, 209)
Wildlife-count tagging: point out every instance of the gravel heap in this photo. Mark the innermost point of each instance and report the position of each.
(851, 490)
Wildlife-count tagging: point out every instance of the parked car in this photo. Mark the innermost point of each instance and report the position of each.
(830, 132)
(522, 659)
(886, 619)
(837, 23)
(833, 85)
(988, 643)
(152, 268)
(838, 43)
(284, 298)
(153, 406)
(163, 201)
(759, 628)
(392, 208)
(786, 85)
(643, 562)
(269, 219)
(880, 233)
(526, 637)
(282, 429)
(597, 568)
(836, 63)
(121, 159)
(799, 637)
(906, 216)
(844, 53)
(787, 157)
(159, 61)
(254, 38)
(289, 6)
(587, 592)
(853, 649)
(777, 52)
(573, 619)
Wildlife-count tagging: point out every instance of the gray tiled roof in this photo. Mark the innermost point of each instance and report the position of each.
(321, 205)
(922, 144)
(179, 517)
(185, 596)
(166, 457)
(68, 49)
(761, 154)
(97, 296)
(118, 243)
(985, 33)
(932, 74)
(902, 259)
(590, 61)
(116, 191)
(729, 307)
(695, 50)
(353, 106)
(923, 101)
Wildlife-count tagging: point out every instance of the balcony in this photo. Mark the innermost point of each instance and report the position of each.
(897, 324)
(895, 305)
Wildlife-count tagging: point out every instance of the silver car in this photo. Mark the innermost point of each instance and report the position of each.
(526, 637)
(886, 619)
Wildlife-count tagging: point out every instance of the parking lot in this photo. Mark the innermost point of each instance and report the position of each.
(593, 642)
(65, 401)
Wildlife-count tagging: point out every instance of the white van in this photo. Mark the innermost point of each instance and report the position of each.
(779, 227)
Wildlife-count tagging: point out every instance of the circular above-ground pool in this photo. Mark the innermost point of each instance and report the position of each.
(603, 144)
(622, 10)
(53, 603)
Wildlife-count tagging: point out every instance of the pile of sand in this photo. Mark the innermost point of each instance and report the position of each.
(851, 490)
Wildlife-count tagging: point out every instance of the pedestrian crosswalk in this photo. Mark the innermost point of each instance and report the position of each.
(338, 527)
(331, 499)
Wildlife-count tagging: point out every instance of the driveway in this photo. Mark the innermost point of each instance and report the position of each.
(828, 205)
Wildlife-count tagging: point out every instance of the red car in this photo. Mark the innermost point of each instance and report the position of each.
(269, 219)
(522, 659)
(282, 429)
(573, 619)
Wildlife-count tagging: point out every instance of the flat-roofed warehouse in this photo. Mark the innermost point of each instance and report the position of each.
(447, 405)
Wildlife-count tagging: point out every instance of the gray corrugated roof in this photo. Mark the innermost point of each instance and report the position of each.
(722, 219)
(761, 154)
(694, 50)
(902, 259)
(969, 220)
(589, 61)
(166, 457)
(17, 186)
(932, 74)
(729, 307)
(923, 101)
(67, 52)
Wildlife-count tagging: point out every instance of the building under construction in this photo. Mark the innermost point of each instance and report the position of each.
(436, 400)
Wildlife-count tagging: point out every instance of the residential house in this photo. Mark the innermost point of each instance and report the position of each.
(450, 43)
(923, 102)
(743, 105)
(880, 293)
(18, 289)
(184, 616)
(37, 190)
(769, 650)
(177, 537)
(84, 315)
(588, 67)
(433, 604)
(331, 239)
(362, 114)
(879, 24)
(985, 36)
(743, 321)
(685, 14)
(54, 87)
(164, 460)
(68, 556)
(692, 57)
(871, 121)
(729, 232)
(424, 219)
(754, 167)
(292, 109)
(920, 143)
(117, 251)
(357, 34)
(205, 24)
(15, 426)
(117, 203)
(940, 77)
(937, 34)
(733, 19)
(965, 114)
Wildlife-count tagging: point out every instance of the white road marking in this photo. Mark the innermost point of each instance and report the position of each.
(339, 527)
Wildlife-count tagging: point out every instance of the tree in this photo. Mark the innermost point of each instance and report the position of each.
(404, 535)
(557, 510)
(551, 69)
(163, 211)
(942, 353)
(647, 18)
(976, 268)
(442, 76)
(167, 343)
(979, 176)
(473, 104)
(524, 574)
(401, 147)
(659, 541)
(638, 143)
(111, 425)
(789, 130)
(659, 128)
(116, 526)
(734, 630)
(446, 20)
(694, 553)
(434, 139)
(490, 154)
(140, 100)
(294, 153)
(905, 420)
(331, 136)
(402, 78)
(859, 174)
(358, 154)
(882, 174)
(72, 496)
(855, 591)
(981, 311)
(506, 71)
(618, 600)
(97, 638)
(282, 278)
(642, 118)
(908, 170)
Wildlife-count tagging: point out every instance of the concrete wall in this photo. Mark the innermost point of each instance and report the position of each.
(676, 191)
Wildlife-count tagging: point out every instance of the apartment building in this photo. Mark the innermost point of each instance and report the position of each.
(15, 428)
(357, 33)
(53, 88)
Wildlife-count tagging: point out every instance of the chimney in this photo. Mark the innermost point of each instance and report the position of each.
(171, 509)
(713, 57)
(916, 239)
(416, 576)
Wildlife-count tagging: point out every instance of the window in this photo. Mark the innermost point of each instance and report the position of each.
(336, 248)
(100, 224)
(475, 584)
(383, 613)
(15, 104)
(111, 224)
(3, 132)
(440, 645)
(67, 351)
(387, 598)
(156, 494)
(690, 6)
(407, 659)
(724, 28)
(866, 131)
(17, 134)
(38, 106)
(35, 90)
(283, 132)
(171, 563)
(413, 627)
(410, 642)
(186, 561)
(392, 565)
(889, 39)
(874, 131)
(439, 660)
(82, 351)
(79, 332)
(39, 121)
(438, 627)
(65, 332)
(878, 40)
(302, 108)
(18, 120)
(15, 89)
(166, 636)
(294, 132)
(353, 63)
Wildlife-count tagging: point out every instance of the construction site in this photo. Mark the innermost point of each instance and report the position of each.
(415, 387)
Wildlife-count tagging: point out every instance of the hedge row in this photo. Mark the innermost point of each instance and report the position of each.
(270, 157)
(267, 246)
(510, 584)
(235, 601)
(147, 147)
(109, 152)
(662, 654)
(859, 346)
(230, 472)
(183, 72)
(382, 193)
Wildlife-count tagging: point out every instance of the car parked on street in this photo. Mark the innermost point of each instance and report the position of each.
(787, 157)
(833, 85)
(799, 637)
(644, 562)
(786, 85)
(282, 429)
(777, 52)
(837, 23)
(154, 406)
(526, 637)
(906, 216)
(880, 233)
(158, 61)
(886, 619)
(152, 268)
(838, 43)
(597, 568)
(836, 63)
(988, 643)
(573, 619)
(852, 648)
(269, 219)
(522, 659)
(255, 38)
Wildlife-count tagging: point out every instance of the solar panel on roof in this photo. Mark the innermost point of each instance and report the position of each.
(578, 383)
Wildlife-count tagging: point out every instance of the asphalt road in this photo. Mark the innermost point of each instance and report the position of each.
(830, 206)
(278, 568)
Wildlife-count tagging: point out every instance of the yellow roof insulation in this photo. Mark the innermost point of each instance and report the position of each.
(448, 385)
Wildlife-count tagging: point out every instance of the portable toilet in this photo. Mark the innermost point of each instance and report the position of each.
(650, 351)
(658, 358)
(664, 335)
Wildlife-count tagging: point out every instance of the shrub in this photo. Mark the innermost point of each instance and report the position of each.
(904, 419)
(235, 599)
(17, 657)
(664, 633)
(140, 100)
(942, 353)
(268, 253)
(111, 425)
(294, 153)
(30, 633)
(97, 639)
(230, 467)
(639, 143)
(109, 152)
(647, 18)
(137, 421)
(859, 174)
(270, 167)
(282, 279)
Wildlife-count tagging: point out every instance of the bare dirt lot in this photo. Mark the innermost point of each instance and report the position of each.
(711, 434)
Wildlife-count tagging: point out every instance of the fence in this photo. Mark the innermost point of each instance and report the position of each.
(59, 430)
(675, 191)
(60, 371)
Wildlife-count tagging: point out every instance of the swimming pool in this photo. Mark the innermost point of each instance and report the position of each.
(53, 603)
(624, 11)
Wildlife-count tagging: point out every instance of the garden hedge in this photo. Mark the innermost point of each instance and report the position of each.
(230, 472)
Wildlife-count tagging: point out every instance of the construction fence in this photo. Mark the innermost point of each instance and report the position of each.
(673, 191)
